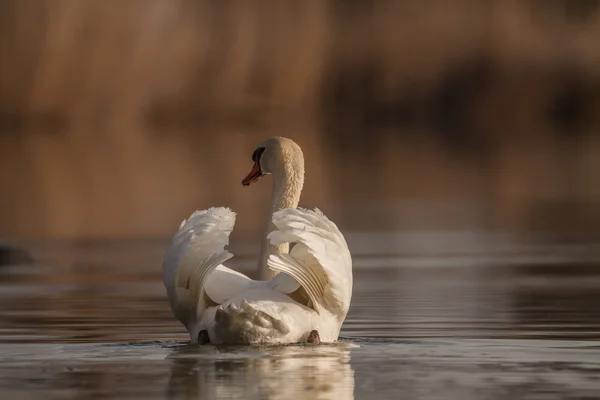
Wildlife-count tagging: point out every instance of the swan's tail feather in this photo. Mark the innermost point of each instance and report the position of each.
(320, 260)
(246, 325)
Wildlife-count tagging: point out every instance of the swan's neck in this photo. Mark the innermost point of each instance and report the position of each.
(287, 186)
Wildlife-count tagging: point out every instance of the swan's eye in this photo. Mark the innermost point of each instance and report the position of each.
(257, 153)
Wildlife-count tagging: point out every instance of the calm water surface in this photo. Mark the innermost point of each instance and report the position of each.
(498, 319)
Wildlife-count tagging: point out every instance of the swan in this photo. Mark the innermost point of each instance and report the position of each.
(301, 295)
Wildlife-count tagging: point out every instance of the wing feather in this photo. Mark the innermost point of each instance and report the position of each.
(319, 260)
(195, 257)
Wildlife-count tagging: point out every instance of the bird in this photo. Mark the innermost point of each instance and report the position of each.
(303, 288)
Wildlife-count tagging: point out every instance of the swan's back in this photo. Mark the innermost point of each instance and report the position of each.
(311, 292)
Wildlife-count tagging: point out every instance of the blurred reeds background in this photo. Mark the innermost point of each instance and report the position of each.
(119, 118)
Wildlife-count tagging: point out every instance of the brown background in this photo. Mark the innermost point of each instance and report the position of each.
(119, 118)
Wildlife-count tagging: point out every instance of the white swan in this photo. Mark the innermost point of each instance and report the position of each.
(302, 295)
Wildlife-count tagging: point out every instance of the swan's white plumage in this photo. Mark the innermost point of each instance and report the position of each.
(310, 287)
(192, 265)
(320, 259)
(233, 308)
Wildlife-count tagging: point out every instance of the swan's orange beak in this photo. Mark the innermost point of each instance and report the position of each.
(254, 175)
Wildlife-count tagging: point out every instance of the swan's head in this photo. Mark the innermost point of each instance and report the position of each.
(275, 155)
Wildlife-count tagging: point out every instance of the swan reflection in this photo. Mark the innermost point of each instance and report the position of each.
(277, 372)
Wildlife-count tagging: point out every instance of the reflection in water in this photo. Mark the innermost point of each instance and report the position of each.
(245, 372)
(461, 316)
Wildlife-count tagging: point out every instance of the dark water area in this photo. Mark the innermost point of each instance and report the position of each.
(499, 319)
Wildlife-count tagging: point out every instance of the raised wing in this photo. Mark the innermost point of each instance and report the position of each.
(319, 260)
(192, 270)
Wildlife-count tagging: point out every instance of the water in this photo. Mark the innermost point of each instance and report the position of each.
(501, 319)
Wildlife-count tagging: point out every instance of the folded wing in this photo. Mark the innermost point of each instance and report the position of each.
(193, 273)
(319, 260)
